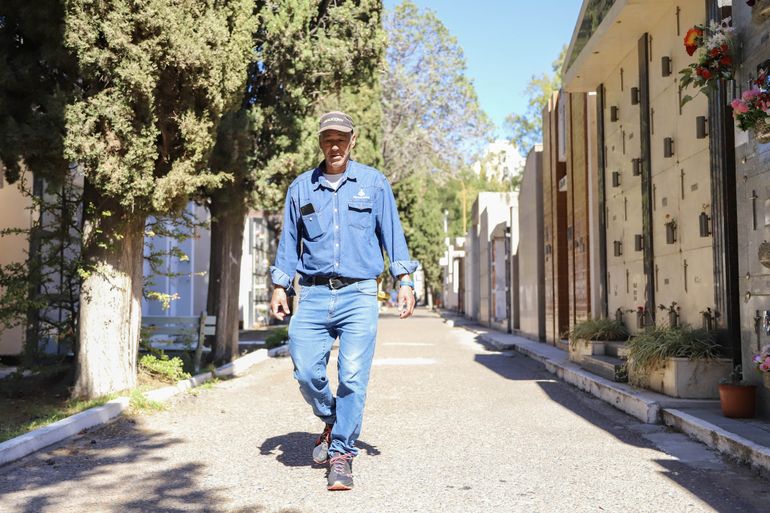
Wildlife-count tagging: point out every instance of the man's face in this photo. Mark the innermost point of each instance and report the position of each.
(336, 147)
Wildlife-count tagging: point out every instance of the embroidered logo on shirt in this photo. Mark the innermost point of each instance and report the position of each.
(362, 195)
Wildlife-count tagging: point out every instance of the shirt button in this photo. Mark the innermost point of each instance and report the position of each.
(335, 209)
(337, 264)
(336, 227)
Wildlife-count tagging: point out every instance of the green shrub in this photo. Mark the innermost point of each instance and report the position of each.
(650, 348)
(168, 369)
(278, 337)
(598, 329)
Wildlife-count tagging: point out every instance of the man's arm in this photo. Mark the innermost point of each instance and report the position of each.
(286, 259)
(392, 238)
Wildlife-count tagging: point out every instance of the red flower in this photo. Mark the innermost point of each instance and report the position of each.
(726, 60)
(714, 52)
(691, 40)
(724, 48)
(704, 73)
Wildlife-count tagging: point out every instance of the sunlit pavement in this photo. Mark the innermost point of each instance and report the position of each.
(450, 426)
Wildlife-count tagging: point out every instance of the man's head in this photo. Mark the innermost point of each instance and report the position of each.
(337, 139)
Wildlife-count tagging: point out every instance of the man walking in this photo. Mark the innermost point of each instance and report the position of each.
(337, 219)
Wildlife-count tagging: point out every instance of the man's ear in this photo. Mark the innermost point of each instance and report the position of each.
(353, 141)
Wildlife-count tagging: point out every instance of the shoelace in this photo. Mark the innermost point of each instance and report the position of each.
(338, 463)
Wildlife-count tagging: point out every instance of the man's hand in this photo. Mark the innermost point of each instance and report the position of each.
(279, 304)
(405, 301)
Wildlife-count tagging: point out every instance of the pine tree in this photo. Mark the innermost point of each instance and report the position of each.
(156, 79)
(133, 95)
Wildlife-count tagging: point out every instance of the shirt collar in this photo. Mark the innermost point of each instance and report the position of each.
(350, 173)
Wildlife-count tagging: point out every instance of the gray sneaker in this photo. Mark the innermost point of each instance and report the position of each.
(340, 472)
(321, 449)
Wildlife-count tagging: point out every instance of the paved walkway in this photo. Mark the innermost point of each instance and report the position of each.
(450, 426)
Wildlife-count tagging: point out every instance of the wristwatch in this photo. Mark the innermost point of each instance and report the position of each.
(406, 283)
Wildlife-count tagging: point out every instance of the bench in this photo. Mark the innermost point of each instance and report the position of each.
(193, 329)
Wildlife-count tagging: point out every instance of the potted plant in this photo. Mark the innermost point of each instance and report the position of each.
(589, 337)
(715, 59)
(736, 396)
(677, 361)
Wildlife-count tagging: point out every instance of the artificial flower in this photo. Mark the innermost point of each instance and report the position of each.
(739, 106)
(691, 40)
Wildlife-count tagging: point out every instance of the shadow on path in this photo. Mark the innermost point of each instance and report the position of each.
(294, 449)
(117, 468)
(710, 486)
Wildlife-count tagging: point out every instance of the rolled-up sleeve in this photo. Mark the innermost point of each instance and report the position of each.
(286, 258)
(391, 234)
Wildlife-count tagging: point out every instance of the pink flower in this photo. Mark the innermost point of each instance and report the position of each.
(739, 106)
(750, 93)
(764, 367)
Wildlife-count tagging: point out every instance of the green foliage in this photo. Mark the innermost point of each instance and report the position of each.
(308, 59)
(41, 292)
(458, 193)
(163, 367)
(421, 214)
(155, 79)
(41, 415)
(37, 83)
(526, 129)
(138, 402)
(432, 119)
(277, 338)
(650, 348)
(598, 329)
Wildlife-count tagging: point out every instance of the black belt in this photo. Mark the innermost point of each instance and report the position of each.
(333, 282)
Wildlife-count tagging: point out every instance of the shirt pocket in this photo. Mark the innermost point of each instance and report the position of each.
(360, 213)
(312, 225)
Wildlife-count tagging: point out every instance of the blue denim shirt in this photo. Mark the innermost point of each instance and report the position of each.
(347, 231)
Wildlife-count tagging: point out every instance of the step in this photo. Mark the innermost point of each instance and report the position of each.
(616, 349)
(562, 344)
(607, 367)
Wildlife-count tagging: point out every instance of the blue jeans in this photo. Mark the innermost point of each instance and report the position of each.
(323, 314)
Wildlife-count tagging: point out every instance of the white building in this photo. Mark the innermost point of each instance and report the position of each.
(500, 161)
(187, 279)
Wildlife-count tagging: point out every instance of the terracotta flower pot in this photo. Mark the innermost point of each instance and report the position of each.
(738, 401)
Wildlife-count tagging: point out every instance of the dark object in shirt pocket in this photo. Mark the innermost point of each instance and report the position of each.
(312, 226)
(360, 213)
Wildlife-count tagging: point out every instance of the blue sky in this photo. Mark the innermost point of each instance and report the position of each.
(505, 42)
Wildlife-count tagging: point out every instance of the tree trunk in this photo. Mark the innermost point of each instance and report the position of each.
(228, 211)
(110, 299)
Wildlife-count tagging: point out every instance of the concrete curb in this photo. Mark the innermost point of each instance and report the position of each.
(24, 445)
(731, 444)
(280, 351)
(28, 443)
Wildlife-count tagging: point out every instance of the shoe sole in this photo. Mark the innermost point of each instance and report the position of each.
(338, 487)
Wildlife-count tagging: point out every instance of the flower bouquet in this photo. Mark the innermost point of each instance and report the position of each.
(715, 58)
(751, 110)
(762, 360)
